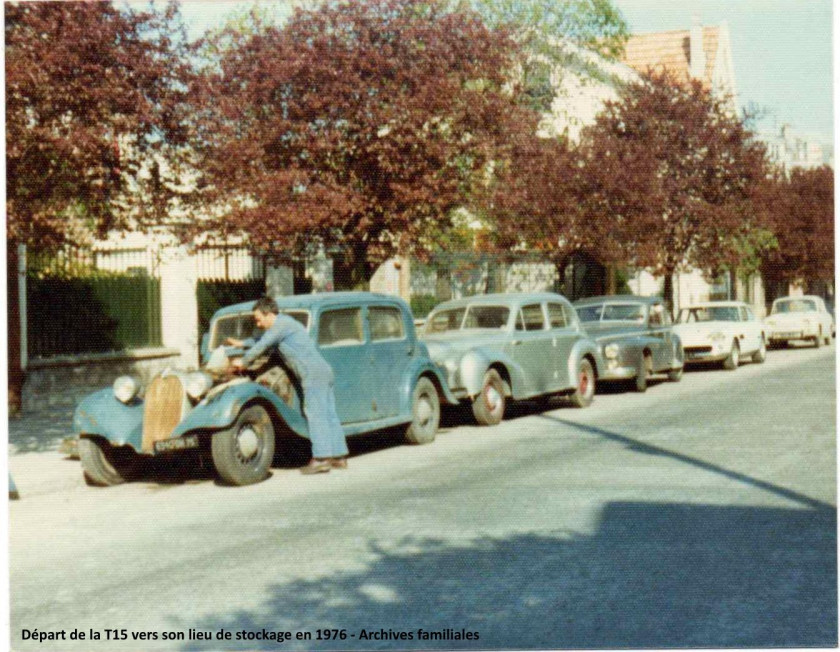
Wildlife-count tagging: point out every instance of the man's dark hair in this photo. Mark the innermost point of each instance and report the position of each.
(266, 305)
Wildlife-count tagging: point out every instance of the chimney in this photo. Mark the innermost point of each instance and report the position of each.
(697, 53)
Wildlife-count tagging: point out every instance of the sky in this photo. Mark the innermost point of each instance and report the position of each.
(781, 50)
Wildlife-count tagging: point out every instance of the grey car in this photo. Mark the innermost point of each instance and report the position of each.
(635, 338)
(511, 346)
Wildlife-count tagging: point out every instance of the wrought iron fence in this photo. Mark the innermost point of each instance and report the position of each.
(227, 274)
(92, 301)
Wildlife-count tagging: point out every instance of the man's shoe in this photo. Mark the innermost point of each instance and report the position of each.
(338, 462)
(316, 466)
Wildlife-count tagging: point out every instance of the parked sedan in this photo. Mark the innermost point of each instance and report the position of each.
(384, 377)
(799, 318)
(721, 331)
(635, 338)
(518, 346)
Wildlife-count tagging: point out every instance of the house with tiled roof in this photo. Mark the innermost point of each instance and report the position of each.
(703, 53)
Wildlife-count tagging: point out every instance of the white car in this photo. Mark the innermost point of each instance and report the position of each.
(799, 318)
(721, 331)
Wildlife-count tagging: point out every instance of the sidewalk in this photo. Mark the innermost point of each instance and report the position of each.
(35, 464)
(46, 420)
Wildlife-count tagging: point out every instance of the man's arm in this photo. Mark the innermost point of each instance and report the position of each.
(274, 335)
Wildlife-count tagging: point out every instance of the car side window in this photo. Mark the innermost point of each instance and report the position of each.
(532, 317)
(744, 315)
(557, 316)
(341, 327)
(750, 314)
(386, 323)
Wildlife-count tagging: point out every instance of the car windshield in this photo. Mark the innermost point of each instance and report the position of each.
(709, 313)
(242, 326)
(794, 305)
(634, 312)
(485, 317)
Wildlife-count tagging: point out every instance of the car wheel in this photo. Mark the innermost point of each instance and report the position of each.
(489, 406)
(734, 358)
(425, 413)
(760, 355)
(242, 454)
(675, 375)
(640, 383)
(105, 465)
(585, 391)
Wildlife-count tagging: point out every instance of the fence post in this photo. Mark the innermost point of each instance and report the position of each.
(279, 281)
(21, 281)
(179, 304)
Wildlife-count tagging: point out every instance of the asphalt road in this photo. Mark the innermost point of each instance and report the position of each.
(700, 514)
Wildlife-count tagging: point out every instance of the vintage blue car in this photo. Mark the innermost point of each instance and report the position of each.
(384, 378)
(635, 338)
(516, 346)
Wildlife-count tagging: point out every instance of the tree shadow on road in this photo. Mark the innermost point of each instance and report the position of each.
(650, 575)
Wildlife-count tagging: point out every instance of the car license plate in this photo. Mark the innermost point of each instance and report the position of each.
(178, 444)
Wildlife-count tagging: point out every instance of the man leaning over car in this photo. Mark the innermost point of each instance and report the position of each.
(329, 445)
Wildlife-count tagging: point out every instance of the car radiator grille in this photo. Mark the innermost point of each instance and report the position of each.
(698, 349)
(163, 410)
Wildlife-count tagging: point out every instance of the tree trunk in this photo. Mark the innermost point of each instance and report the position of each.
(352, 271)
(668, 292)
(16, 374)
(733, 284)
(610, 272)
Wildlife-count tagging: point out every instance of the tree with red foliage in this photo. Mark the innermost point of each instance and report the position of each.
(672, 176)
(91, 93)
(801, 210)
(357, 125)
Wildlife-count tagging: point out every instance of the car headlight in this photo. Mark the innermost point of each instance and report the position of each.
(611, 350)
(197, 384)
(717, 337)
(126, 388)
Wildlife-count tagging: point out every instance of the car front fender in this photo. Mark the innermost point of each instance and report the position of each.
(679, 352)
(102, 414)
(221, 410)
(475, 363)
(414, 371)
(580, 350)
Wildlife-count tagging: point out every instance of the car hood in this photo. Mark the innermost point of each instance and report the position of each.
(600, 332)
(692, 333)
(791, 318)
(445, 346)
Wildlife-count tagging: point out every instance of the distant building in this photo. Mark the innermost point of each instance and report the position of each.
(789, 149)
(703, 53)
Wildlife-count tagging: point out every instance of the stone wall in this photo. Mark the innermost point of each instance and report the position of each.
(66, 379)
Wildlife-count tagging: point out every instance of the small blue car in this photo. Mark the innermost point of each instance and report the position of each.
(384, 378)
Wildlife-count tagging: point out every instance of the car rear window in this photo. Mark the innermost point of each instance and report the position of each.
(557, 316)
(386, 323)
(341, 327)
(531, 318)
